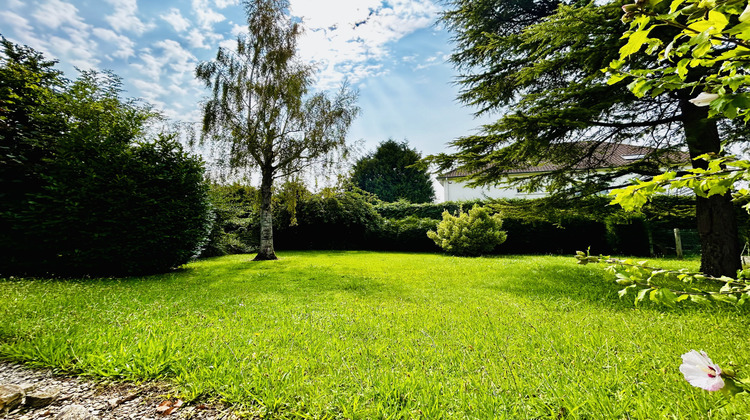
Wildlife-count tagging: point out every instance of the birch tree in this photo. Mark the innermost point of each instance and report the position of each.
(261, 109)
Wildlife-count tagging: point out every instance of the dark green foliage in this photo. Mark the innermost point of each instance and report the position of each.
(330, 220)
(469, 234)
(389, 174)
(562, 237)
(629, 236)
(30, 123)
(88, 195)
(540, 62)
(119, 209)
(235, 228)
(552, 226)
(403, 209)
(407, 234)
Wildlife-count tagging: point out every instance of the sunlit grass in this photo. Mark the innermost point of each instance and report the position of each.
(382, 335)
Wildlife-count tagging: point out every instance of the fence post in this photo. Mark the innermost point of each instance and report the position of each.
(678, 242)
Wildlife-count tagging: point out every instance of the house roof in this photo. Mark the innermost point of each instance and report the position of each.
(606, 155)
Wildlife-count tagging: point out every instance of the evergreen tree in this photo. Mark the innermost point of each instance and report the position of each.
(389, 174)
(540, 64)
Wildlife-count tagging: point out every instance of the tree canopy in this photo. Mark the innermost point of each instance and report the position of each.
(85, 189)
(388, 172)
(539, 65)
(262, 111)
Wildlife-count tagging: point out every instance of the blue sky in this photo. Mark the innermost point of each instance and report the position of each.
(391, 51)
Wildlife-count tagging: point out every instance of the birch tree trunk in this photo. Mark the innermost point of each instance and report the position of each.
(266, 251)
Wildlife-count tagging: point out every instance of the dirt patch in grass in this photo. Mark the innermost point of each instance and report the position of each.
(102, 400)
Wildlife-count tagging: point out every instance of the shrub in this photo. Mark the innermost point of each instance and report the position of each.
(564, 236)
(407, 234)
(402, 209)
(89, 193)
(470, 234)
(112, 210)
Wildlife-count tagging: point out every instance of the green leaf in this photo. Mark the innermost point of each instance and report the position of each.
(730, 299)
(700, 299)
(641, 296)
(616, 78)
(675, 5)
(635, 41)
(682, 68)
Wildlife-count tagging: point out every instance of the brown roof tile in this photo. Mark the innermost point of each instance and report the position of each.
(607, 155)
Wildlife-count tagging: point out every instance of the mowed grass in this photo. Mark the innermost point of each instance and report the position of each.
(382, 335)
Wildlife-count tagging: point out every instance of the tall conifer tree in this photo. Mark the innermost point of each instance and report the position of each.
(539, 65)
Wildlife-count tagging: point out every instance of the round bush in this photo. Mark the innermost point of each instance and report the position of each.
(469, 234)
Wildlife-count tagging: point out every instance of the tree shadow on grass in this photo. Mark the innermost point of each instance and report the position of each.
(558, 282)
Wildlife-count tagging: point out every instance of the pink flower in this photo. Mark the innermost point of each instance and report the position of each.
(700, 371)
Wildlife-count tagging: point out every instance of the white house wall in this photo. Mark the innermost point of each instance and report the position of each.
(460, 191)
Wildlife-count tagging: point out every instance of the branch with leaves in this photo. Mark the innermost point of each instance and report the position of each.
(720, 176)
(658, 285)
(710, 52)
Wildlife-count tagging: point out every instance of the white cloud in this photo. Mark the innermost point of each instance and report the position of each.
(221, 4)
(14, 4)
(329, 13)
(151, 92)
(206, 16)
(237, 30)
(123, 46)
(352, 39)
(22, 29)
(178, 59)
(76, 50)
(228, 44)
(165, 79)
(124, 17)
(172, 59)
(175, 18)
(150, 67)
(196, 39)
(56, 13)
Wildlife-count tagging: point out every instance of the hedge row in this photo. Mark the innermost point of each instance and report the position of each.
(348, 220)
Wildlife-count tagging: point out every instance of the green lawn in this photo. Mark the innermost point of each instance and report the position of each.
(382, 335)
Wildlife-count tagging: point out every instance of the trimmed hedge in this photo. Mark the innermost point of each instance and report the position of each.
(343, 220)
(407, 234)
(348, 220)
(110, 209)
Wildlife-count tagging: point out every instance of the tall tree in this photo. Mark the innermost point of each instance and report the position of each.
(541, 64)
(389, 174)
(261, 109)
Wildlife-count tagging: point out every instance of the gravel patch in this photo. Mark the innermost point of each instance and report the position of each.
(49, 396)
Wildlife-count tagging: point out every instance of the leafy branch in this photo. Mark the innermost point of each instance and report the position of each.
(659, 285)
(720, 176)
(709, 36)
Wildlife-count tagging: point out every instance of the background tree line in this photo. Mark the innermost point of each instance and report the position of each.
(348, 218)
